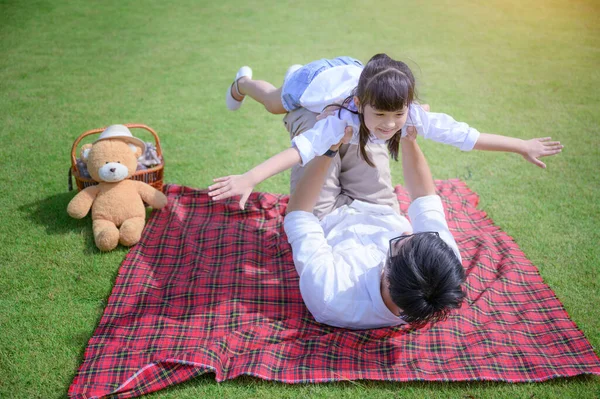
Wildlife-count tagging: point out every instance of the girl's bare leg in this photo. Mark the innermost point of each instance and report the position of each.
(261, 91)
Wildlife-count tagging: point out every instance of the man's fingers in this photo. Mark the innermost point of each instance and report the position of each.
(325, 114)
(348, 132)
(411, 133)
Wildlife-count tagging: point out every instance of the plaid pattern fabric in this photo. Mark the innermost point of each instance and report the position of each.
(210, 288)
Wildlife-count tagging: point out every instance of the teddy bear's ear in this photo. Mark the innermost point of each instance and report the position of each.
(85, 152)
(136, 150)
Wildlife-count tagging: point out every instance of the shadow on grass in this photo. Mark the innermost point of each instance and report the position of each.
(51, 212)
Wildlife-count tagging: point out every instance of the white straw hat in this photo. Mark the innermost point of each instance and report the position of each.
(120, 132)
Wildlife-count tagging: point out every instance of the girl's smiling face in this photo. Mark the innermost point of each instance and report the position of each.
(383, 124)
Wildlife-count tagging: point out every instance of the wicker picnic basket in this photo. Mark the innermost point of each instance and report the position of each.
(152, 176)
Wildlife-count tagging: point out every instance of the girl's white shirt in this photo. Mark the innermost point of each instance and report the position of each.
(334, 85)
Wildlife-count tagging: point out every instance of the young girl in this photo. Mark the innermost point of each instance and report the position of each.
(375, 106)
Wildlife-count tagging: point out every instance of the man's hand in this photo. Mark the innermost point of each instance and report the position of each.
(411, 134)
(345, 140)
(329, 111)
(540, 147)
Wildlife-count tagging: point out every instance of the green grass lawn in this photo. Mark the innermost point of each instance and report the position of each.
(525, 69)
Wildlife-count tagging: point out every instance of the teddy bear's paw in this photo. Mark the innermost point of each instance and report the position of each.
(106, 235)
(106, 241)
(131, 231)
(160, 200)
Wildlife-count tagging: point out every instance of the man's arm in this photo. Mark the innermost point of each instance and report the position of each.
(417, 176)
(426, 211)
(307, 191)
(313, 257)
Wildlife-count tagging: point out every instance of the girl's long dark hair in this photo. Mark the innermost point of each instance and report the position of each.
(386, 85)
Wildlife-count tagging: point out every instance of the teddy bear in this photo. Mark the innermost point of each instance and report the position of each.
(117, 202)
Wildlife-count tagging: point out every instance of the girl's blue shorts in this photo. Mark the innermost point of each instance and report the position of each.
(297, 82)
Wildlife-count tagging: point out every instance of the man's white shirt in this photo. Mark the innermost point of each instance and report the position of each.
(340, 259)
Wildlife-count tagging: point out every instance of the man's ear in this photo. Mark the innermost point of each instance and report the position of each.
(136, 150)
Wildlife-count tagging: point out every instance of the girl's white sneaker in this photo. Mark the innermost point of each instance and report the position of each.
(232, 103)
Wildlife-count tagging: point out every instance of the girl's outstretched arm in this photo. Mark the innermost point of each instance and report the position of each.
(531, 150)
(444, 129)
(243, 185)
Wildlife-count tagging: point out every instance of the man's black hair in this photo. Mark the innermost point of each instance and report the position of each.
(425, 279)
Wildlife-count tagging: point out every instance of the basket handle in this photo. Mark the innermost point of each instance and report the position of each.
(95, 131)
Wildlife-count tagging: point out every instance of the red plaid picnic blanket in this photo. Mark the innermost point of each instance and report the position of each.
(210, 288)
